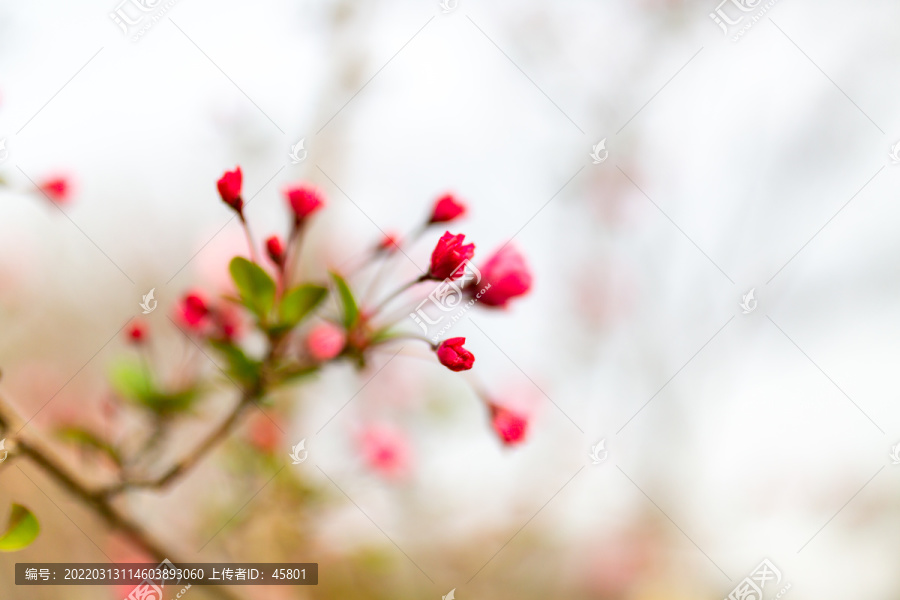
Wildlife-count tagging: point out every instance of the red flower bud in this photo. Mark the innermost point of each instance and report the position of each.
(389, 243)
(326, 341)
(508, 276)
(509, 425)
(453, 356)
(58, 189)
(275, 250)
(447, 208)
(228, 324)
(230, 189)
(448, 256)
(193, 310)
(137, 333)
(304, 201)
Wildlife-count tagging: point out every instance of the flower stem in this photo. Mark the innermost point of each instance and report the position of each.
(397, 292)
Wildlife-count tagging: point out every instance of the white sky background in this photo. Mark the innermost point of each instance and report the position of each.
(749, 150)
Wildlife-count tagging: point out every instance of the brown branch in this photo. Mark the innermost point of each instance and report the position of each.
(192, 458)
(33, 448)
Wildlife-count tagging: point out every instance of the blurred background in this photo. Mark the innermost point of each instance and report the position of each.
(751, 155)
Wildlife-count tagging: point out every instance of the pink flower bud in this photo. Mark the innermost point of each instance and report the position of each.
(58, 189)
(509, 425)
(448, 256)
(230, 189)
(137, 332)
(304, 201)
(386, 451)
(193, 311)
(389, 243)
(508, 276)
(275, 250)
(447, 208)
(325, 341)
(453, 356)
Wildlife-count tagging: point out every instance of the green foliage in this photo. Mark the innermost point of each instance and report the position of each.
(256, 288)
(300, 302)
(82, 437)
(133, 382)
(241, 368)
(348, 302)
(21, 531)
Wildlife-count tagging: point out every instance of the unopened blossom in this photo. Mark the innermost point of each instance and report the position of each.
(229, 186)
(325, 341)
(453, 356)
(447, 208)
(504, 276)
(449, 255)
(511, 426)
(303, 201)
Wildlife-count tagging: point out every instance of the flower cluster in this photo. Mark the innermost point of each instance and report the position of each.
(302, 337)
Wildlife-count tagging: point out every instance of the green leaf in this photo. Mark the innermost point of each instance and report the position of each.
(299, 302)
(385, 334)
(166, 403)
(86, 438)
(240, 366)
(256, 288)
(131, 380)
(22, 529)
(348, 302)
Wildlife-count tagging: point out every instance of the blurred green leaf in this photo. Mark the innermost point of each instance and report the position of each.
(299, 302)
(256, 288)
(348, 302)
(384, 335)
(21, 531)
(132, 381)
(83, 437)
(289, 373)
(241, 367)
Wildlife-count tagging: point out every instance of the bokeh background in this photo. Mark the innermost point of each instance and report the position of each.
(758, 164)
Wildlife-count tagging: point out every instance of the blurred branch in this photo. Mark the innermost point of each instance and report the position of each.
(30, 446)
(190, 460)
